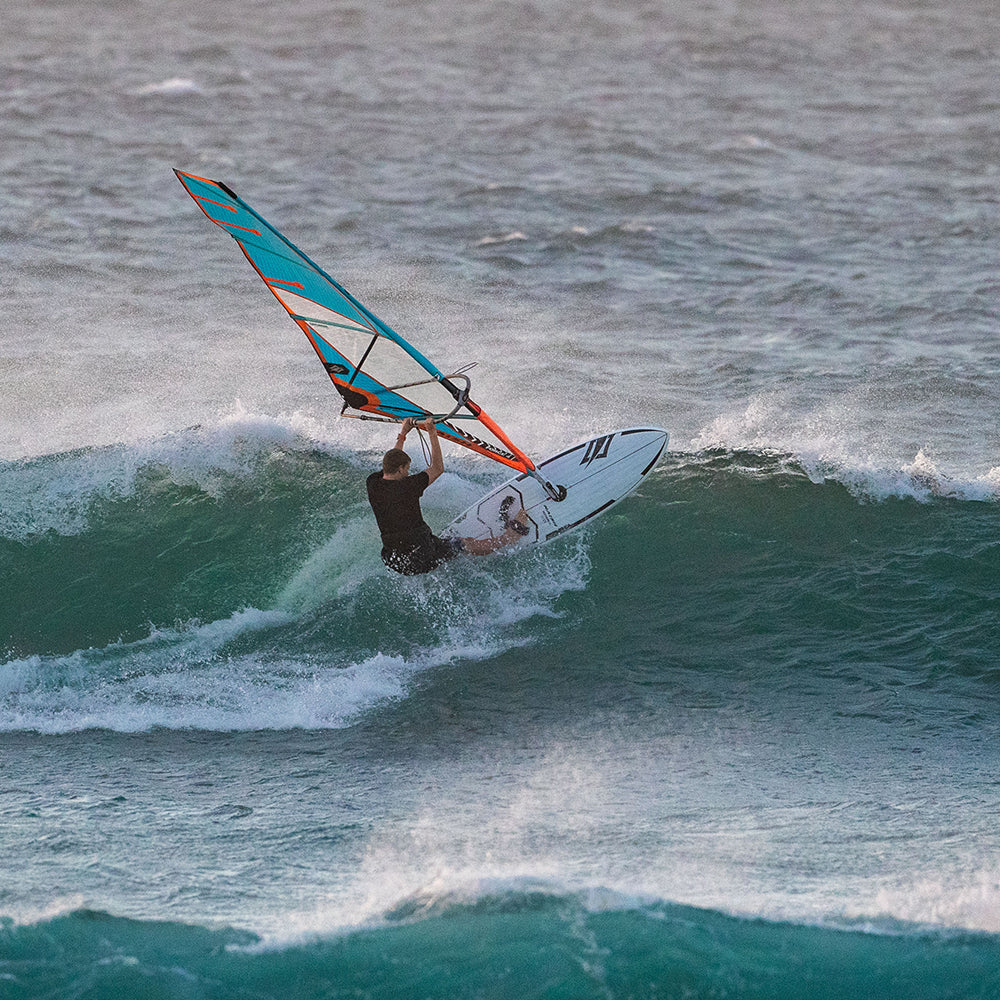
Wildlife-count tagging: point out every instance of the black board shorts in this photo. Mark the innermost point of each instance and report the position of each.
(423, 556)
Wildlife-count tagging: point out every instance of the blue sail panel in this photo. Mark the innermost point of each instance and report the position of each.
(372, 367)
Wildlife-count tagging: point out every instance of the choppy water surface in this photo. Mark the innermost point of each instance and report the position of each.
(736, 739)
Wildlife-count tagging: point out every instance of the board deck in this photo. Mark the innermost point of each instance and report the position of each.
(597, 474)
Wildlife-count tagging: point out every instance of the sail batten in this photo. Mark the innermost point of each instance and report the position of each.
(373, 369)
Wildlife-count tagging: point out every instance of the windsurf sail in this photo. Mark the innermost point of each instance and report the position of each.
(376, 372)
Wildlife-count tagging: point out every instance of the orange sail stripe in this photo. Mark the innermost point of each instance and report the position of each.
(487, 421)
(211, 201)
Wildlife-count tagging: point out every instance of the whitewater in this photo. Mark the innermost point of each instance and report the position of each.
(737, 738)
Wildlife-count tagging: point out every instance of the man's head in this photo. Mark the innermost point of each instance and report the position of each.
(395, 462)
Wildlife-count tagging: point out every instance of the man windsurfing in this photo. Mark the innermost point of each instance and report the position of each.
(408, 545)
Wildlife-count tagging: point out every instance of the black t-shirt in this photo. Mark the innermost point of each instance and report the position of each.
(396, 503)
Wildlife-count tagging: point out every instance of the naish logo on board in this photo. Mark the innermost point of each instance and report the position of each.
(598, 448)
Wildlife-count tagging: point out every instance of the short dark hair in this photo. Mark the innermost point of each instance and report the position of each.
(394, 460)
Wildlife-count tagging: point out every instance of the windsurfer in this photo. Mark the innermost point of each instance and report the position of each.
(408, 546)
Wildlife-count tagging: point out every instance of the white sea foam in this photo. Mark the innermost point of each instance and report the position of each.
(55, 492)
(513, 237)
(26, 915)
(832, 442)
(174, 85)
(970, 903)
(336, 569)
(173, 681)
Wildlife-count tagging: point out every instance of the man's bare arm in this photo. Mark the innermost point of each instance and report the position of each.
(408, 424)
(437, 462)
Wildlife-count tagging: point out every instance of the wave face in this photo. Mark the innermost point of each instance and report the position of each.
(515, 943)
(227, 586)
(236, 584)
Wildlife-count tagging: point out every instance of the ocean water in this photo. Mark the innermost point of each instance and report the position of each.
(736, 739)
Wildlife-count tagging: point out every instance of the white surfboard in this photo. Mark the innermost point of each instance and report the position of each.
(596, 474)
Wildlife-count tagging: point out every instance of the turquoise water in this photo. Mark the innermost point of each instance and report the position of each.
(737, 738)
(519, 944)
